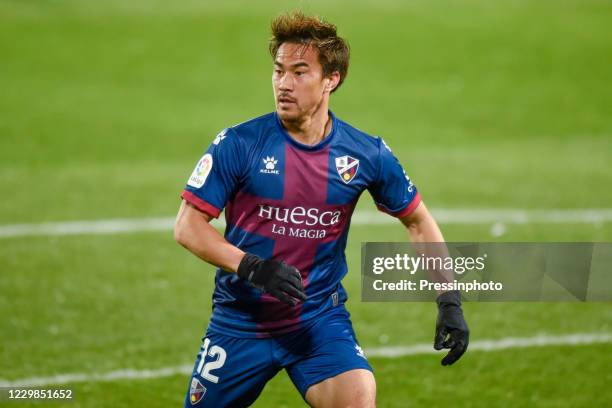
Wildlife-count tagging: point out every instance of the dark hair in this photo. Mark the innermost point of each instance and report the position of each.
(298, 28)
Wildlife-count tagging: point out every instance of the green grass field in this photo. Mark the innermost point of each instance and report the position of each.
(106, 106)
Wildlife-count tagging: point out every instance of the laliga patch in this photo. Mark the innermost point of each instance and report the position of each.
(196, 391)
(347, 167)
(201, 171)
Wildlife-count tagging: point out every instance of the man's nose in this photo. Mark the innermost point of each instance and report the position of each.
(285, 82)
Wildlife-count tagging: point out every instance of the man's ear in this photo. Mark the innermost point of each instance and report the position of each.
(332, 81)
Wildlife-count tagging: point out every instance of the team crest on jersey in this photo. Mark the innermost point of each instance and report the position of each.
(196, 391)
(201, 171)
(347, 167)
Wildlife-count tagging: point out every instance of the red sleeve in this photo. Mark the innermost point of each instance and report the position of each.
(200, 204)
(406, 211)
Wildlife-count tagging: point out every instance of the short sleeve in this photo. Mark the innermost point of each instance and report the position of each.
(217, 174)
(392, 190)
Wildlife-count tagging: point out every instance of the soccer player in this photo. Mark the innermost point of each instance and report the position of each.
(289, 182)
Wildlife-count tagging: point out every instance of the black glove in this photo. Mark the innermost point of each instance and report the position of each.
(282, 281)
(452, 324)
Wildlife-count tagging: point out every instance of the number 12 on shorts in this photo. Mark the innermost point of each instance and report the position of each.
(205, 368)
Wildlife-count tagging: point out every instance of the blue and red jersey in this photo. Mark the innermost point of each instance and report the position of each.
(291, 202)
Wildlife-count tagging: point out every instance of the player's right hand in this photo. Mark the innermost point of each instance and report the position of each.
(280, 280)
(451, 329)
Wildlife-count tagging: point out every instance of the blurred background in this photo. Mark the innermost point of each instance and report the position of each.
(501, 113)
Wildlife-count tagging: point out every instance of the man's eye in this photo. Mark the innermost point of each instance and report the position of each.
(299, 73)
(277, 71)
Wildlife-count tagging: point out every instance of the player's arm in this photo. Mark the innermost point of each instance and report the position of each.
(193, 231)
(451, 329)
(423, 229)
(421, 226)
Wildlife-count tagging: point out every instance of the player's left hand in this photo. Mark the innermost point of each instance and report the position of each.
(451, 329)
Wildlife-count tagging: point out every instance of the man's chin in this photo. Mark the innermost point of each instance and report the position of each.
(287, 115)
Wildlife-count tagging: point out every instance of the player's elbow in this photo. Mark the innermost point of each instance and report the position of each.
(181, 233)
(416, 218)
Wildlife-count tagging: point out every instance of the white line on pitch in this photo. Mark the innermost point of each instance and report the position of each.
(381, 352)
(501, 344)
(443, 216)
(113, 226)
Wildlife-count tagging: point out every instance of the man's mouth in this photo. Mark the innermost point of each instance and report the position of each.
(285, 99)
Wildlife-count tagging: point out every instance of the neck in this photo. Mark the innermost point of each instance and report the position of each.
(311, 129)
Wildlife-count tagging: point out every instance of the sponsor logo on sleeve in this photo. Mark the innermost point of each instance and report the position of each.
(201, 171)
(220, 137)
(410, 185)
(360, 352)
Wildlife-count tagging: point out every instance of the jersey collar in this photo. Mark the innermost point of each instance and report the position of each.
(302, 146)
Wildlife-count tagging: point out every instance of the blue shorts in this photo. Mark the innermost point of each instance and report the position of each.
(235, 370)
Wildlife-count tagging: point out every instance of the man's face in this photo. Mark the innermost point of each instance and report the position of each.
(299, 85)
